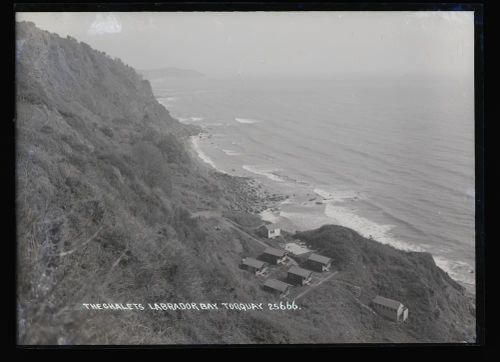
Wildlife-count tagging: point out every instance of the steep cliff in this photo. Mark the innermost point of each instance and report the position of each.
(106, 190)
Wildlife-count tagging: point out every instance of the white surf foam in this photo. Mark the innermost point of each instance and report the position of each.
(195, 140)
(247, 120)
(231, 152)
(336, 195)
(166, 101)
(367, 228)
(187, 119)
(306, 221)
(456, 269)
(269, 173)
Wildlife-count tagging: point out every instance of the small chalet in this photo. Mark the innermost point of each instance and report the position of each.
(319, 263)
(272, 231)
(390, 308)
(253, 265)
(299, 276)
(274, 256)
(277, 287)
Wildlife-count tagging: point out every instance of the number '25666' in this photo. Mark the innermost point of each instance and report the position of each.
(283, 306)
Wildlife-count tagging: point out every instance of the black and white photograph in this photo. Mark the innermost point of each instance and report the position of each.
(245, 177)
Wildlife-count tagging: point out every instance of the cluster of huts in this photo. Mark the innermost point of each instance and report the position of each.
(389, 308)
(295, 275)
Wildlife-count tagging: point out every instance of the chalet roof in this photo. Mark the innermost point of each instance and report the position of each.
(394, 304)
(319, 258)
(276, 252)
(253, 263)
(271, 226)
(304, 273)
(276, 284)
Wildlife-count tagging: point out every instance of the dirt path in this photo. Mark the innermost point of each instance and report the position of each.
(235, 226)
(231, 224)
(207, 213)
(355, 297)
(312, 286)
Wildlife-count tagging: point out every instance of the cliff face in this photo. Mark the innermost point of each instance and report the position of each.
(81, 82)
(105, 191)
(105, 188)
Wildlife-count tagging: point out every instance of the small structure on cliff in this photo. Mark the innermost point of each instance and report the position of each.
(273, 231)
(274, 256)
(253, 265)
(277, 287)
(389, 308)
(299, 276)
(319, 263)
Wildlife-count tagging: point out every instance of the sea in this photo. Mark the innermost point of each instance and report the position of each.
(390, 157)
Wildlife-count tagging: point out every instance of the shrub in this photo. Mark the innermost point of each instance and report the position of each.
(152, 166)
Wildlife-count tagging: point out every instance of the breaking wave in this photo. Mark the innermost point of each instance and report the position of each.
(266, 172)
(247, 120)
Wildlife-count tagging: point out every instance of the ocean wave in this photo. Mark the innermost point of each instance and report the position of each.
(305, 220)
(195, 141)
(166, 101)
(457, 270)
(187, 119)
(230, 152)
(266, 172)
(366, 227)
(163, 103)
(336, 195)
(247, 120)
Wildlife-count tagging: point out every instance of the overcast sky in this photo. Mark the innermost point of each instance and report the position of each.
(401, 43)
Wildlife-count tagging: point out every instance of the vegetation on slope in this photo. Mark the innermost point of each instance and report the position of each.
(105, 191)
(439, 308)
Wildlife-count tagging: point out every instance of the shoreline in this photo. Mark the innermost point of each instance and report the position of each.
(304, 208)
(254, 197)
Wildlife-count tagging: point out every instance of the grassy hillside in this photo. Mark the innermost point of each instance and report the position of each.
(106, 190)
(439, 307)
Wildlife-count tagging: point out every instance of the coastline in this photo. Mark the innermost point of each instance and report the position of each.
(252, 196)
(299, 208)
(152, 221)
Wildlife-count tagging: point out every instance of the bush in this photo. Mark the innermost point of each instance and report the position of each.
(173, 150)
(152, 166)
